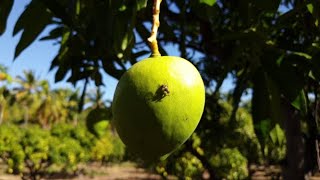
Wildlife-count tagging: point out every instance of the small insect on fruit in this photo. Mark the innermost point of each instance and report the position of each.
(162, 92)
(164, 88)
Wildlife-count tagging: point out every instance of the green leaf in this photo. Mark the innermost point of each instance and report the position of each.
(54, 33)
(277, 135)
(65, 38)
(5, 8)
(125, 41)
(310, 8)
(141, 4)
(287, 77)
(300, 102)
(78, 7)
(208, 2)
(61, 73)
(31, 28)
(62, 58)
(302, 54)
(314, 9)
(262, 129)
(112, 70)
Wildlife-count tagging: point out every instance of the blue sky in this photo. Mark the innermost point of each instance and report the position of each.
(39, 55)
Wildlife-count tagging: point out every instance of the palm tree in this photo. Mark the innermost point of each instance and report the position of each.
(45, 111)
(4, 92)
(96, 99)
(56, 105)
(25, 93)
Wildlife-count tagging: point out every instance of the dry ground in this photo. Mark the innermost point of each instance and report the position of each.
(94, 171)
(129, 171)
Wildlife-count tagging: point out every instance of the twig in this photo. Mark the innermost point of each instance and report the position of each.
(152, 40)
(316, 120)
(318, 157)
(206, 164)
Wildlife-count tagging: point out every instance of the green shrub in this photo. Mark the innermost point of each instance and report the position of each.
(230, 164)
(23, 147)
(35, 144)
(118, 150)
(9, 135)
(78, 133)
(66, 153)
(10, 149)
(62, 130)
(85, 138)
(108, 148)
(188, 167)
(61, 148)
(102, 149)
(275, 146)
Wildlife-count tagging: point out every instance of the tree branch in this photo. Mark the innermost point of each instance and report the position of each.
(152, 40)
(203, 160)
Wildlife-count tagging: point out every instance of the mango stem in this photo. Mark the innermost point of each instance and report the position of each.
(152, 40)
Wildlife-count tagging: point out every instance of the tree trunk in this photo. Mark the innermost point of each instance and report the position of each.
(312, 145)
(295, 160)
(26, 114)
(1, 113)
(203, 159)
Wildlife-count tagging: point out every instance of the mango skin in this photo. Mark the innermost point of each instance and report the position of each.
(153, 121)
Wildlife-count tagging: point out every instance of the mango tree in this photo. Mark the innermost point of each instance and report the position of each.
(269, 48)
